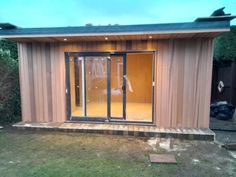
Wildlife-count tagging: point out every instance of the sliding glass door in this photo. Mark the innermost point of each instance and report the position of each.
(96, 86)
(117, 89)
(110, 87)
(88, 86)
(139, 89)
(75, 86)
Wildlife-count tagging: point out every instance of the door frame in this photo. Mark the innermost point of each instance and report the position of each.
(123, 118)
(108, 118)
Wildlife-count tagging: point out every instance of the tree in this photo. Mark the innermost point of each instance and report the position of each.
(225, 46)
(9, 83)
(11, 47)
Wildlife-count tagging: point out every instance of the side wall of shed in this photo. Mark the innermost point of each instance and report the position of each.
(182, 75)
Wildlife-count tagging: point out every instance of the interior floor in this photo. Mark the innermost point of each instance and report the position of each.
(134, 111)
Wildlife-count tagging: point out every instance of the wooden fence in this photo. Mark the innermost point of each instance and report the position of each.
(224, 79)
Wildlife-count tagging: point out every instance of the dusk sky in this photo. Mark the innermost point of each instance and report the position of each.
(53, 13)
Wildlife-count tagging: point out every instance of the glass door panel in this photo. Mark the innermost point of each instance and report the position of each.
(76, 86)
(116, 70)
(139, 81)
(96, 86)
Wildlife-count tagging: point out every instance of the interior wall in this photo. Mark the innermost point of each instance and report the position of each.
(182, 79)
(116, 81)
(72, 84)
(139, 78)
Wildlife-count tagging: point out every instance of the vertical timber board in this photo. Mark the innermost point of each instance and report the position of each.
(62, 74)
(24, 84)
(31, 81)
(39, 81)
(53, 82)
(179, 90)
(158, 79)
(58, 82)
(180, 46)
(44, 83)
(49, 82)
(35, 83)
(174, 85)
(196, 71)
(207, 101)
(166, 84)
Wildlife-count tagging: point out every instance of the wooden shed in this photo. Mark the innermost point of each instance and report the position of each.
(152, 74)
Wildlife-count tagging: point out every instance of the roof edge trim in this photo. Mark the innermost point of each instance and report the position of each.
(118, 34)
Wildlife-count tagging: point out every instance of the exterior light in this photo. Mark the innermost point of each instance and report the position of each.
(65, 39)
(106, 38)
(150, 37)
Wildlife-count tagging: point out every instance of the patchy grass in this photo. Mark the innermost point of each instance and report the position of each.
(50, 154)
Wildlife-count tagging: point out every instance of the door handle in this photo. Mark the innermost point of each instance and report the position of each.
(123, 88)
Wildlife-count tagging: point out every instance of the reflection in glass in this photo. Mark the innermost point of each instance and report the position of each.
(76, 86)
(116, 86)
(96, 86)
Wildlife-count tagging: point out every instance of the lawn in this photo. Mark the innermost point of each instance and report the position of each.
(61, 154)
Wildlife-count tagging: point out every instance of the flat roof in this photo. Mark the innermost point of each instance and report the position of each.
(201, 27)
(116, 29)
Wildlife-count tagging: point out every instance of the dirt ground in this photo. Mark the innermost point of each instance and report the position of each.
(61, 154)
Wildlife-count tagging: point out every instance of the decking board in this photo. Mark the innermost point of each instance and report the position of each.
(121, 129)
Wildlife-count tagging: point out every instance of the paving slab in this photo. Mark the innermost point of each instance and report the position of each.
(230, 146)
(162, 158)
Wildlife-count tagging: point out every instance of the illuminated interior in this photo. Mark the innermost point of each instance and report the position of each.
(130, 86)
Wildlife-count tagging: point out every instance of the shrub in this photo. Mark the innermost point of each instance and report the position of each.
(10, 110)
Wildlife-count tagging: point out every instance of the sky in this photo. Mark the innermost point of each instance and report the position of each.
(55, 13)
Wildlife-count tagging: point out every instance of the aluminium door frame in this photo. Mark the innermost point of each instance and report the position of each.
(68, 94)
(123, 118)
(153, 52)
(108, 118)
